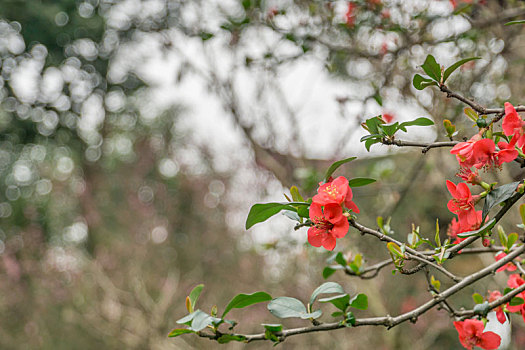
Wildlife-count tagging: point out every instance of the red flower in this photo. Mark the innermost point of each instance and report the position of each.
(464, 151)
(350, 14)
(513, 282)
(507, 152)
(471, 334)
(500, 314)
(387, 117)
(335, 192)
(513, 125)
(462, 204)
(469, 176)
(329, 224)
(509, 266)
(454, 228)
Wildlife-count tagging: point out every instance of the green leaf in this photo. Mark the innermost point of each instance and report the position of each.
(296, 196)
(179, 331)
(372, 136)
(360, 181)
(516, 301)
(340, 259)
(502, 236)
(339, 301)
(432, 68)
(478, 299)
(471, 114)
(327, 272)
(360, 301)
(456, 65)
(395, 249)
(389, 130)
(262, 212)
(242, 300)
(373, 123)
(194, 295)
(498, 196)
(521, 21)
(273, 327)
(422, 121)
(378, 99)
(420, 83)
(326, 288)
(285, 307)
(226, 338)
(350, 318)
(200, 321)
(370, 142)
(513, 238)
(336, 165)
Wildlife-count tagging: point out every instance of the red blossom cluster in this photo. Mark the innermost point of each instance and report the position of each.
(327, 214)
(471, 334)
(479, 152)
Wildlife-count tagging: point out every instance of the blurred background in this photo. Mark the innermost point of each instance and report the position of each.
(135, 136)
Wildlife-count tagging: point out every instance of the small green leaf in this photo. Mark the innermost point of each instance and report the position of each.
(226, 338)
(194, 295)
(478, 299)
(350, 318)
(340, 259)
(242, 300)
(326, 288)
(337, 314)
(327, 272)
(360, 301)
(336, 165)
(502, 236)
(471, 114)
(179, 331)
(394, 249)
(437, 238)
(339, 301)
(273, 327)
(420, 83)
(262, 212)
(498, 196)
(358, 260)
(422, 121)
(516, 301)
(372, 124)
(521, 21)
(435, 283)
(513, 238)
(370, 142)
(432, 68)
(285, 307)
(389, 130)
(360, 181)
(373, 136)
(456, 65)
(378, 99)
(507, 290)
(296, 196)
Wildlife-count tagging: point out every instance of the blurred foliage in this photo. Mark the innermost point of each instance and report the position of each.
(111, 211)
